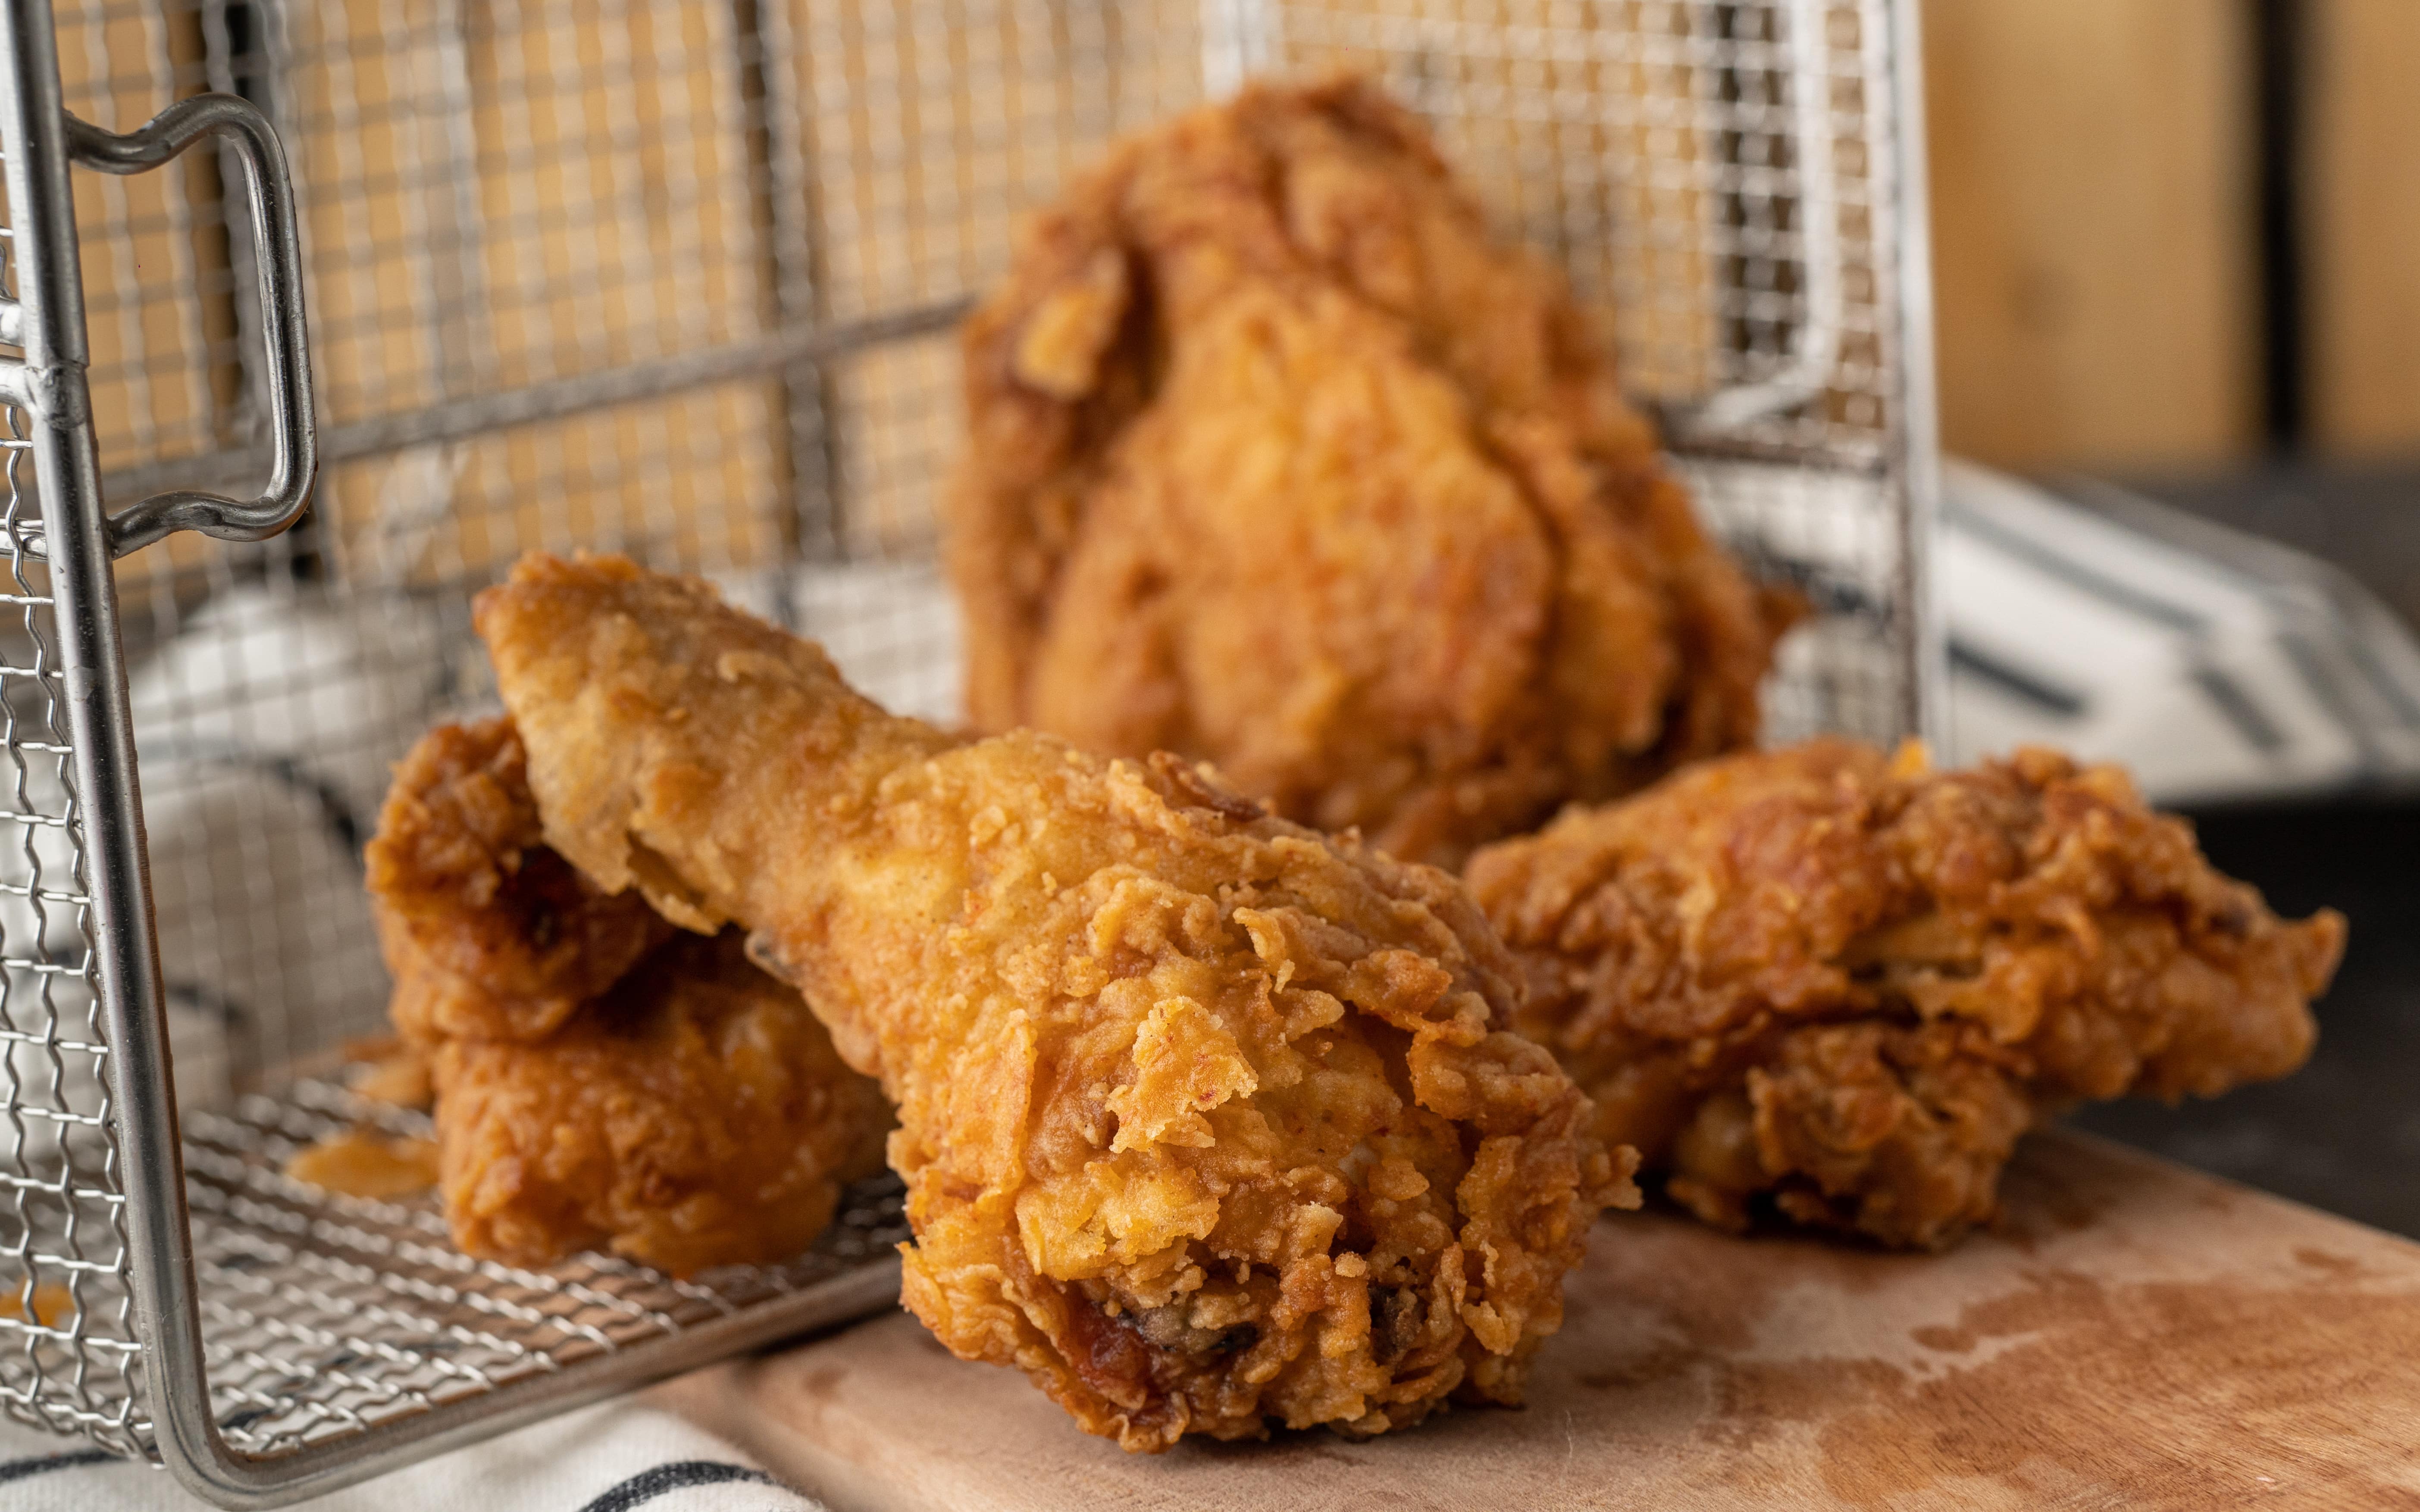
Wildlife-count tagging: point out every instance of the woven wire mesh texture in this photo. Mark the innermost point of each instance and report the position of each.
(678, 280)
(68, 1355)
(324, 1316)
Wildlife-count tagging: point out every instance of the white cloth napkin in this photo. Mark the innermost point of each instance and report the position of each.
(618, 1457)
(2217, 666)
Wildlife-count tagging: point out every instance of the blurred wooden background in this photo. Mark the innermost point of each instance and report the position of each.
(2103, 281)
(2110, 295)
(2094, 251)
(2364, 193)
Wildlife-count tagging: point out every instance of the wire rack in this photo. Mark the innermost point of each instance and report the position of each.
(679, 280)
(332, 1315)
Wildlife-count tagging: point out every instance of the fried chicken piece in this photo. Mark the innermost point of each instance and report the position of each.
(1852, 984)
(695, 1114)
(487, 931)
(1278, 460)
(602, 1078)
(1208, 1121)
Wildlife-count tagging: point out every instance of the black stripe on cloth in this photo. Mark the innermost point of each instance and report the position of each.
(2058, 565)
(2327, 689)
(2031, 688)
(334, 811)
(43, 1464)
(2236, 706)
(679, 1475)
(335, 816)
(2381, 678)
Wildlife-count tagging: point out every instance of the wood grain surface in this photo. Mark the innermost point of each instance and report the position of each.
(2133, 1334)
(2093, 251)
(2362, 226)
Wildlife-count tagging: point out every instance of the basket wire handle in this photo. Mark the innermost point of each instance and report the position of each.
(278, 259)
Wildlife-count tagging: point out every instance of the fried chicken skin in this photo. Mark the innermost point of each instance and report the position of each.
(488, 932)
(1277, 459)
(695, 1114)
(603, 1080)
(1844, 983)
(1208, 1122)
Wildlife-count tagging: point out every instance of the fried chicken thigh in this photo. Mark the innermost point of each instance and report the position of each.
(1277, 459)
(603, 1079)
(1842, 983)
(1208, 1121)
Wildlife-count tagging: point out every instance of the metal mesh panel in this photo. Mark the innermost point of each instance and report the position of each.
(677, 279)
(325, 1316)
(1710, 174)
(68, 1357)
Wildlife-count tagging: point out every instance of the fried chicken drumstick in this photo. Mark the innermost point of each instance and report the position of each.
(1846, 983)
(603, 1079)
(1277, 459)
(1207, 1121)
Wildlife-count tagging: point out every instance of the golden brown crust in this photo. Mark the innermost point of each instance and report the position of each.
(1208, 1122)
(695, 1114)
(487, 931)
(1841, 980)
(602, 1079)
(1280, 460)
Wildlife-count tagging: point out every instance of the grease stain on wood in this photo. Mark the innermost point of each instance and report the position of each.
(2131, 1334)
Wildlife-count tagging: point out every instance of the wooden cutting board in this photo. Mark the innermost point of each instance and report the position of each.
(2133, 1334)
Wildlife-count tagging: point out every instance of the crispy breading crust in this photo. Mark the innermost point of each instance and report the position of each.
(695, 1114)
(602, 1079)
(487, 931)
(1277, 459)
(1851, 984)
(1207, 1121)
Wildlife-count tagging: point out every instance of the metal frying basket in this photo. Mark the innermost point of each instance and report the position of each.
(677, 279)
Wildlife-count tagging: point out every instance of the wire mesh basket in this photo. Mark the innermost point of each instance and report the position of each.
(674, 279)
